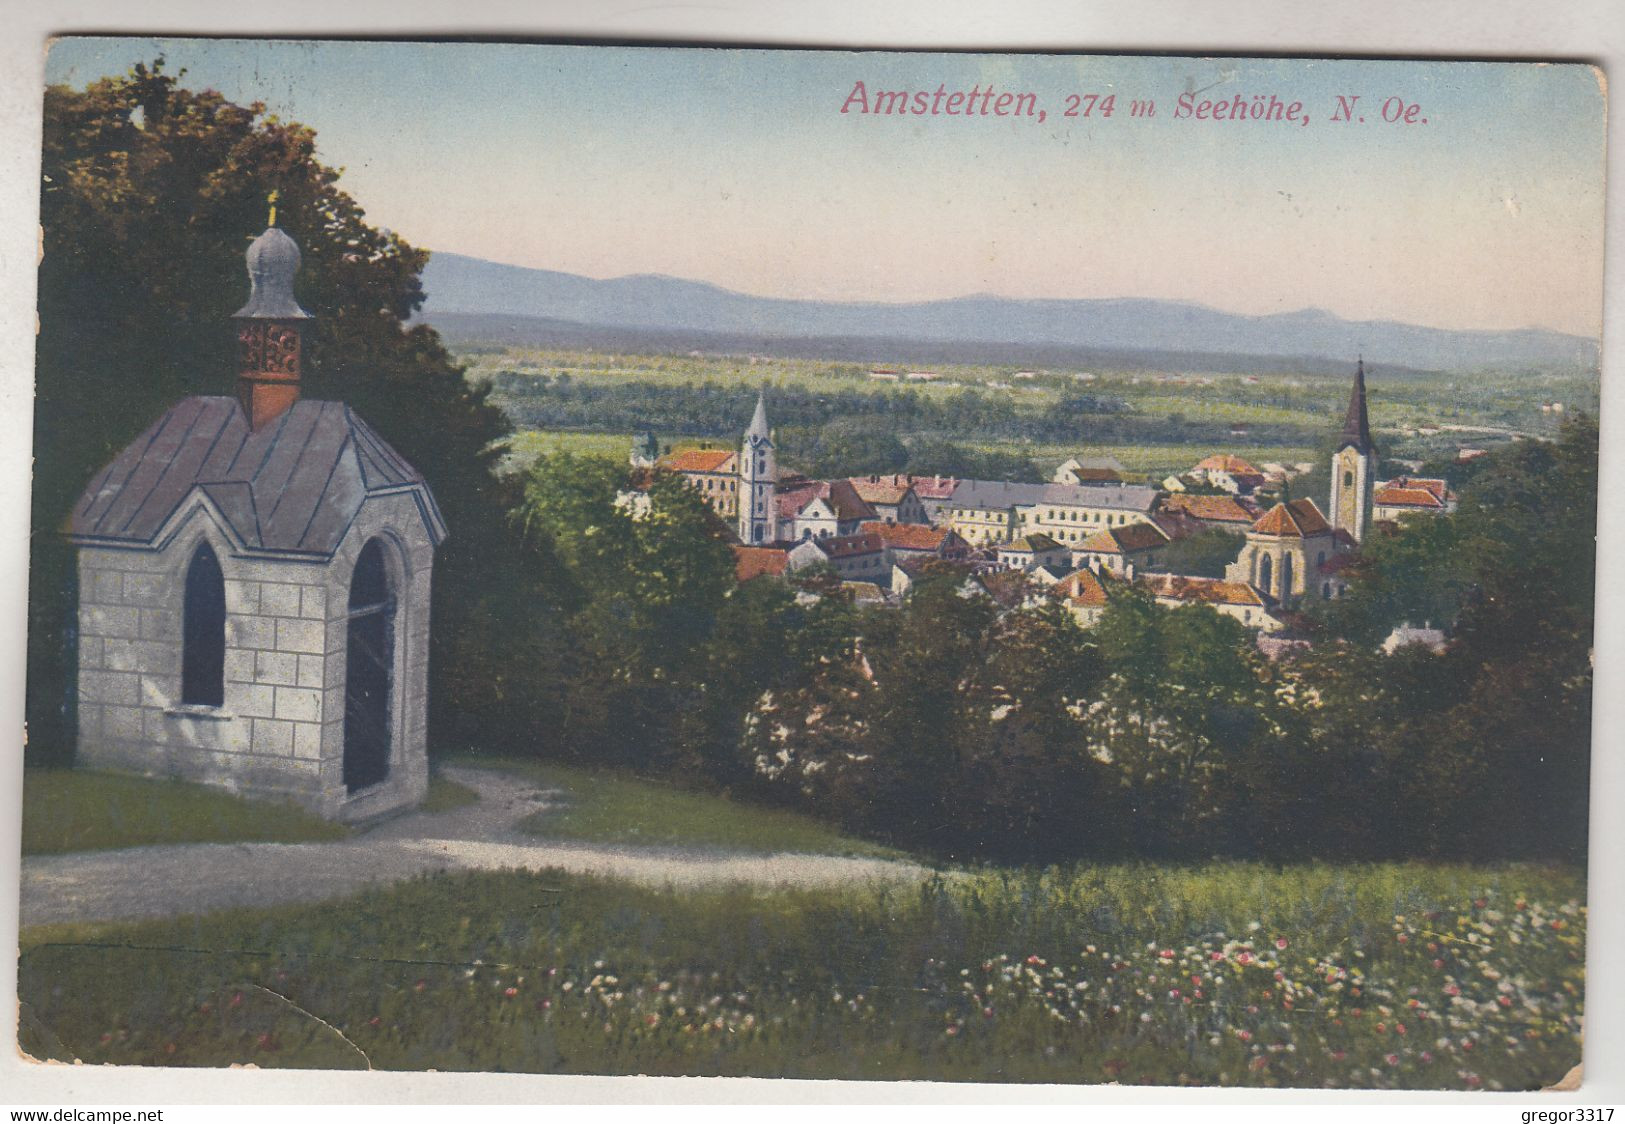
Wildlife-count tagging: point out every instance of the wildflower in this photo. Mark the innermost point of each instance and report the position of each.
(1391, 1059)
(510, 992)
(1280, 942)
(1426, 1056)
(375, 1020)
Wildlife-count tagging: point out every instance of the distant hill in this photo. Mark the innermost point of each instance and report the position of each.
(538, 305)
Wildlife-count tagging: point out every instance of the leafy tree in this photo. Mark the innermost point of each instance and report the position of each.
(1204, 554)
(150, 193)
(646, 574)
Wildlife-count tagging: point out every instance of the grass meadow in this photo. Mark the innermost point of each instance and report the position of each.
(602, 806)
(81, 810)
(1388, 976)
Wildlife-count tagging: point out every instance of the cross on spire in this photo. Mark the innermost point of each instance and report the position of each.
(271, 199)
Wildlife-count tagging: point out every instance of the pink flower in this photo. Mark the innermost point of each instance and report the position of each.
(1167, 954)
(1452, 989)
(1280, 942)
(1392, 1059)
(1244, 957)
(1215, 956)
(1245, 1035)
(510, 992)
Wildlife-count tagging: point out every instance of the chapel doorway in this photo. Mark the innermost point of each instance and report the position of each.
(369, 671)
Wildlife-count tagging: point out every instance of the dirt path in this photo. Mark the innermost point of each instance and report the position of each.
(184, 878)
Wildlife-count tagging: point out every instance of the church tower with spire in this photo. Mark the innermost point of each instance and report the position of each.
(758, 475)
(1354, 465)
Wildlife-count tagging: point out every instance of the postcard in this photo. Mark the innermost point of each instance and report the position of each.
(1022, 568)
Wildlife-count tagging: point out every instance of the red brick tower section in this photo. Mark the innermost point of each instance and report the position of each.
(270, 328)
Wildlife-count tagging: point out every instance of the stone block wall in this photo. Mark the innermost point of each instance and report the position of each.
(279, 732)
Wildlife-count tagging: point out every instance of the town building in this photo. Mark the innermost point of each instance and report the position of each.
(892, 497)
(1029, 552)
(905, 540)
(933, 493)
(1229, 473)
(1354, 466)
(1240, 600)
(1122, 552)
(1411, 495)
(1229, 513)
(822, 509)
(1289, 554)
(859, 557)
(1089, 470)
(758, 480)
(254, 576)
(986, 513)
(714, 473)
(1083, 592)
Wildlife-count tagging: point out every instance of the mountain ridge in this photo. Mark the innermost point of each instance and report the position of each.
(461, 286)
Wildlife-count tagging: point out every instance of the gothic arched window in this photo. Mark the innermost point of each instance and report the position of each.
(1266, 571)
(203, 632)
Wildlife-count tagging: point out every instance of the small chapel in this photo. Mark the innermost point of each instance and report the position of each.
(254, 575)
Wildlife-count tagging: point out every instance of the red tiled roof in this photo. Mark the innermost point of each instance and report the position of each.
(792, 500)
(1125, 540)
(932, 487)
(755, 561)
(1081, 587)
(1210, 509)
(908, 536)
(1407, 497)
(698, 460)
(847, 503)
(1205, 591)
(1293, 520)
(1439, 488)
(879, 489)
(847, 546)
(1098, 475)
(1224, 462)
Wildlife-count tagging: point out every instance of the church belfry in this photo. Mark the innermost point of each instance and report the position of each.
(758, 475)
(1354, 465)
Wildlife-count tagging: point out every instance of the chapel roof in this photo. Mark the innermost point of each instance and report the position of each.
(292, 486)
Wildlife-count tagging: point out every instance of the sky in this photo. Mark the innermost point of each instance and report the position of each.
(739, 168)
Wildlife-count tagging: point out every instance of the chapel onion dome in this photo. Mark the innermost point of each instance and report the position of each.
(273, 259)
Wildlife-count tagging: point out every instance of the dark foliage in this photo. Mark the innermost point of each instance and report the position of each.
(150, 195)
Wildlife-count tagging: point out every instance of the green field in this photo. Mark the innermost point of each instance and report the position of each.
(1405, 408)
(1390, 976)
(607, 807)
(1152, 462)
(79, 810)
